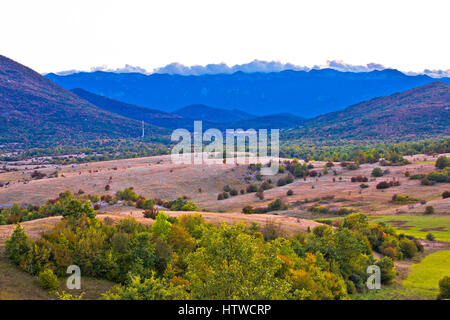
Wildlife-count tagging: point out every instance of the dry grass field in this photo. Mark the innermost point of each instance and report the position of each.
(159, 177)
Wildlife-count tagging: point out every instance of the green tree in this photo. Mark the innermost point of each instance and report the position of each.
(152, 288)
(442, 162)
(444, 288)
(233, 265)
(18, 245)
(161, 227)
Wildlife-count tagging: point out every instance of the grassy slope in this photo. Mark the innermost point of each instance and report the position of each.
(414, 225)
(425, 276)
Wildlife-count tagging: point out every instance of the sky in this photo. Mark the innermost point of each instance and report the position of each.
(55, 35)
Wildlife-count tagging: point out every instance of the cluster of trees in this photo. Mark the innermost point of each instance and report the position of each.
(61, 206)
(187, 258)
(275, 205)
(387, 184)
(101, 150)
(370, 153)
(401, 199)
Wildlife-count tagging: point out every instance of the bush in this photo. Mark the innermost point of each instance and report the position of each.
(151, 213)
(359, 179)
(383, 185)
(252, 188)
(377, 172)
(408, 248)
(431, 237)
(400, 199)
(260, 195)
(426, 182)
(319, 209)
(277, 205)
(127, 194)
(247, 210)
(444, 288)
(387, 270)
(429, 210)
(446, 194)
(284, 181)
(233, 192)
(289, 192)
(363, 186)
(227, 188)
(387, 184)
(48, 280)
(442, 162)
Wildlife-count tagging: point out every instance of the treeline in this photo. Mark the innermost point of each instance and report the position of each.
(370, 153)
(92, 151)
(66, 201)
(187, 258)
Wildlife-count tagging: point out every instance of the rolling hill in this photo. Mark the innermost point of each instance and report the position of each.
(37, 112)
(150, 116)
(302, 93)
(417, 113)
(184, 118)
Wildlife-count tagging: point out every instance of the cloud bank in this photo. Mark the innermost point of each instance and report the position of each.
(252, 67)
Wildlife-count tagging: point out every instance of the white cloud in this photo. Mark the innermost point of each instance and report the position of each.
(252, 67)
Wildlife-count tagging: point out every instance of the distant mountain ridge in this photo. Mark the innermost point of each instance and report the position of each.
(35, 111)
(302, 93)
(417, 113)
(184, 118)
(207, 113)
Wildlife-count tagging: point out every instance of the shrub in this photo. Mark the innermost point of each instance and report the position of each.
(383, 185)
(359, 179)
(151, 213)
(220, 196)
(319, 209)
(363, 186)
(427, 182)
(252, 188)
(377, 172)
(387, 270)
(227, 188)
(429, 210)
(233, 192)
(289, 192)
(387, 184)
(284, 181)
(444, 288)
(446, 194)
(107, 187)
(260, 195)
(277, 205)
(48, 280)
(400, 199)
(408, 248)
(430, 237)
(442, 162)
(127, 194)
(247, 210)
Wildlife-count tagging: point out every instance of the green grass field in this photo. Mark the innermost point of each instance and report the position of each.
(424, 276)
(418, 226)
